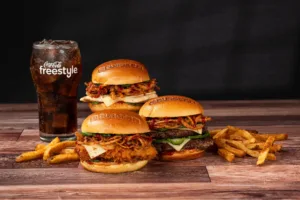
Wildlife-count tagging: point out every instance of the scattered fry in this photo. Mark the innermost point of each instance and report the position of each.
(39, 146)
(226, 154)
(249, 141)
(64, 158)
(30, 155)
(214, 132)
(246, 135)
(220, 134)
(265, 136)
(66, 151)
(262, 156)
(271, 156)
(65, 154)
(54, 141)
(252, 146)
(241, 146)
(274, 148)
(235, 137)
(237, 152)
(277, 147)
(56, 148)
(232, 129)
(236, 142)
(264, 153)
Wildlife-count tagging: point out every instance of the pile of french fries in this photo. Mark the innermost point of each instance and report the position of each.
(54, 152)
(236, 142)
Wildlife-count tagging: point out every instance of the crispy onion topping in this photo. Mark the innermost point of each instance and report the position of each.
(191, 122)
(95, 90)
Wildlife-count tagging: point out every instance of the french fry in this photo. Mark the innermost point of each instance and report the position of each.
(252, 131)
(56, 148)
(232, 128)
(66, 151)
(274, 148)
(249, 141)
(246, 134)
(241, 146)
(221, 134)
(226, 154)
(277, 147)
(54, 141)
(31, 155)
(235, 137)
(271, 156)
(63, 158)
(264, 153)
(252, 146)
(222, 144)
(214, 132)
(262, 156)
(260, 145)
(240, 142)
(265, 136)
(237, 152)
(39, 146)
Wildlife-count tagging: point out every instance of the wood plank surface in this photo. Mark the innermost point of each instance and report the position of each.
(152, 173)
(10, 135)
(209, 177)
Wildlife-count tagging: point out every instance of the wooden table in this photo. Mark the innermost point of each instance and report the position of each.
(207, 177)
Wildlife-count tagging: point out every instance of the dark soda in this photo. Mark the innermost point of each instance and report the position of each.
(56, 70)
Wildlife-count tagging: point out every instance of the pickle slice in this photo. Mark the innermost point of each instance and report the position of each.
(176, 141)
(87, 134)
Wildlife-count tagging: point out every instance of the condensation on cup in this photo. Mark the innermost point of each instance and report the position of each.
(56, 70)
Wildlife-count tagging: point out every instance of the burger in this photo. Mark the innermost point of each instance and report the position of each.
(178, 127)
(121, 84)
(114, 141)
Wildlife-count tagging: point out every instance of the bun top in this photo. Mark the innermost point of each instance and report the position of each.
(119, 72)
(115, 122)
(171, 106)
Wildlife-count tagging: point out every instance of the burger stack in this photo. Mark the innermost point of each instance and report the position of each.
(120, 85)
(130, 125)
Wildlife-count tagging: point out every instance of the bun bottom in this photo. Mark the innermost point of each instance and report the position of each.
(111, 168)
(115, 106)
(188, 154)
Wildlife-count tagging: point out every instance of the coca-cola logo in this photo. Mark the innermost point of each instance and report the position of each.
(56, 68)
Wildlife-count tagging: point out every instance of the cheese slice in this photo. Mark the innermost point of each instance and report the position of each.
(108, 101)
(94, 150)
(180, 146)
(199, 131)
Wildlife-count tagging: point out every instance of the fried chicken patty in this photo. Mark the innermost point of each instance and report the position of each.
(119, 148)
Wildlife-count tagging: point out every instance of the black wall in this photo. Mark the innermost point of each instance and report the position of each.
(204, 49)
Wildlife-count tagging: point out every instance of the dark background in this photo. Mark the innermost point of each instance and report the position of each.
(203, 49)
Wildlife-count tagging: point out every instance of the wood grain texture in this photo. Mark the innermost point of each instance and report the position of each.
(152, 173)
(153, 191)
(210, 177)
(10, 134)
(267, 174)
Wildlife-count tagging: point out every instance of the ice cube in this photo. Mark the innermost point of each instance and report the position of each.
(60, 120)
